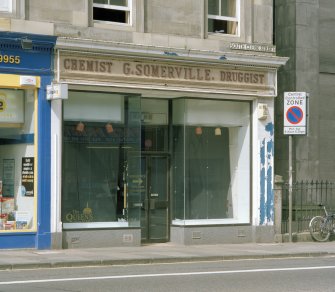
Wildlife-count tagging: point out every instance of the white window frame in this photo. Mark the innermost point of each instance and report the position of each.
(8, 4)
(228, 18)
(128, 9)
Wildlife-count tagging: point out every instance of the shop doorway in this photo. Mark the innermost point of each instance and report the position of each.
(155, 198)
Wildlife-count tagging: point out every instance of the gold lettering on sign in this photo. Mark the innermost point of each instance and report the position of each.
(88, 65)
(169, 72)
(163, 71)
(240, 77)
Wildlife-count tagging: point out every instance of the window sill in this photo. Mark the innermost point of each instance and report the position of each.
(213, 35)
(94, 225)
(113, 25)
(197, 222)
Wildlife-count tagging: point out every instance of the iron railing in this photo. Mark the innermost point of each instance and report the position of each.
(306, 197)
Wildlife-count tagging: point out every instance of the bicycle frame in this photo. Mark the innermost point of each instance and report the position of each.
(321, 227)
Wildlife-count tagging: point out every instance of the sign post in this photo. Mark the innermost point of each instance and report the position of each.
(295, 123)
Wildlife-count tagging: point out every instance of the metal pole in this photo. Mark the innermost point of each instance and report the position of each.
(290, 188)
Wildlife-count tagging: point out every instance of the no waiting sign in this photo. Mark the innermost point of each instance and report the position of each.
(295, 122)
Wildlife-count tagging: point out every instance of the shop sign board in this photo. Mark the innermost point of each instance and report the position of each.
(295, 115)
(165, 73)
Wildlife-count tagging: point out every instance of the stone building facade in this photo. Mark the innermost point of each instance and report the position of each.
(304, 33)
(162, 119)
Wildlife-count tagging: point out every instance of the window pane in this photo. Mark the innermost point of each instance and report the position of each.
(214, 7)
(118, 2)
(217, 26)
(154, 125)
(211, 163)
(222, 7)
(6, 5)
(110, 15)
(222, 26)
(228, 8)
(207, 172)
(101, 2)
(99, 157)
(17, 162)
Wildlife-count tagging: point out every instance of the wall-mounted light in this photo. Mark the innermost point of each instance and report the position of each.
(262, 109)
(148, 143)
(26, 44)
(109, 128)
(198, 131)
(80, 127)
(217, 131)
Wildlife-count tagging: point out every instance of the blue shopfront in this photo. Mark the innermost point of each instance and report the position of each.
(26, 68)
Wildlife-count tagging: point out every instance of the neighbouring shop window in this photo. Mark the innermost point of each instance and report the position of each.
(6, 6)
(17, 161)
(211, 161)
(223, 16)
(118, 11)
(101, 142)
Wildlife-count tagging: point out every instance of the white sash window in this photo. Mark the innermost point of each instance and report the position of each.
(6, 6)
(116, 11)
(223, 16)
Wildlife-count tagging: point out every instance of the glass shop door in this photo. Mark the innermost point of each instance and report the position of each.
(155, 198)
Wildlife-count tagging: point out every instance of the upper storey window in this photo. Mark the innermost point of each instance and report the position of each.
(223, 16)
(117, 11)
(6, 6)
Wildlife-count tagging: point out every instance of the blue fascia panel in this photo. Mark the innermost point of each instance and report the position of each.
(34, 61)
(44, 167)
(17, 240)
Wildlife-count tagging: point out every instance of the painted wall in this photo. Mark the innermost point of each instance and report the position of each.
(263, 137)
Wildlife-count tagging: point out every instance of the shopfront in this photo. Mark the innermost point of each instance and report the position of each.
(155, 149)
(25, 69)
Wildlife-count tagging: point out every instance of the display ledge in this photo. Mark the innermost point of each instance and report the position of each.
(95, 225)
(196, 222)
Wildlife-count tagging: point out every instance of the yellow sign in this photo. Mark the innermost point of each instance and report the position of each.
(3, 104)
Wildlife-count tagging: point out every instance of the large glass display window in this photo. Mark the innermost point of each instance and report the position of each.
(211, 162)
(101, 144)
(18, 164)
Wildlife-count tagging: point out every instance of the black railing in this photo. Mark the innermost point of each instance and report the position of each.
(306, 197)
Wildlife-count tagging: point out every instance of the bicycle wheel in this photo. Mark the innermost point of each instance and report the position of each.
(318, 228)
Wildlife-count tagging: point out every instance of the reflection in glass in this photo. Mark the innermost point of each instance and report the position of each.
(211, 168)
(99, 161)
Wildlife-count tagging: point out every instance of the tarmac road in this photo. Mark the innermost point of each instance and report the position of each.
(285, 274)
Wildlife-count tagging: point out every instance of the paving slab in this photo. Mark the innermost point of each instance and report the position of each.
(158, 253)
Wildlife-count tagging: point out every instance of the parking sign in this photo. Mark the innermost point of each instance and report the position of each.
(295, 120)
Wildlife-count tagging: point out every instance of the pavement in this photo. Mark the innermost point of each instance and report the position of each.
(158, 253)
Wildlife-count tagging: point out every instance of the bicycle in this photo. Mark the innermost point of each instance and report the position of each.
(321, 227)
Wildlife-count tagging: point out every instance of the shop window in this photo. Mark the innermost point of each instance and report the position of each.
(117, 11)
(6, 6)
(223, 16)
(211, 163)
(101, 142)
(18, 195)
